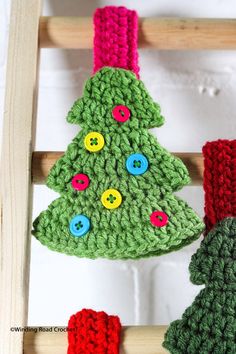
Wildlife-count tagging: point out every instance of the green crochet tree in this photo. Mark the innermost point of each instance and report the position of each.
(209, 324)
(116, 182)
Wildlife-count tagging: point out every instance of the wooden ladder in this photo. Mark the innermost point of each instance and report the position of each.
(21, 166)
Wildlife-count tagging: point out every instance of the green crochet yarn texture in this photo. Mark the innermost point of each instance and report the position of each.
(208, 326)
(124, 232)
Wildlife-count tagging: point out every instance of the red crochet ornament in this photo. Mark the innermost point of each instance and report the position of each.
(91, 332)
(219, 181)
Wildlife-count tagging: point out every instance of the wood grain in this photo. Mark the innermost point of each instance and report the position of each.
(44, 160)
(134, 340)
(160, 33)
(16, 196)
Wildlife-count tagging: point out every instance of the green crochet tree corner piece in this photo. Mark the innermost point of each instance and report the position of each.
(126, 231)
(209, 324)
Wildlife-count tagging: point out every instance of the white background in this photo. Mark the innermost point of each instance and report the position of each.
(196, 91)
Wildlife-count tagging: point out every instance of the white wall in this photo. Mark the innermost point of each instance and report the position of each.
(196, 91)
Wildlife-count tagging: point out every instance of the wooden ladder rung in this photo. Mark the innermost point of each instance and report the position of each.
(43, 161)
(134, 340)
(160, 33)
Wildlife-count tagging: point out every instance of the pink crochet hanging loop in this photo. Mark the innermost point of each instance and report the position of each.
(219, 181)
(115, 39)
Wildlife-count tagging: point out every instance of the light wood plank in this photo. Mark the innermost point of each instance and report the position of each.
(134, 340)
(44, 160)
(16, 196)
(160, 33)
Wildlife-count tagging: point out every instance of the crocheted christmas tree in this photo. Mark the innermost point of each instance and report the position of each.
(116, 182)
(209, 324)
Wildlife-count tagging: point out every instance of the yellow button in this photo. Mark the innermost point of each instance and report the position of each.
(111, 199)
(94, 141)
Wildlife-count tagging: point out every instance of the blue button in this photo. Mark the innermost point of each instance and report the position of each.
(79, 225)
(137, 164)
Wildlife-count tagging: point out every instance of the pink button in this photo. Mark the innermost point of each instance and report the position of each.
(121, 113)
(159, 218)
(80, 182)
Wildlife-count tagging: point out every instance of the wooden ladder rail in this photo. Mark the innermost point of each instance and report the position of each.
(134, 340)
(159, 33)
(43, 161)
(18, 147)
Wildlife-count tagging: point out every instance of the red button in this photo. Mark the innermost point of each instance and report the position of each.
(159, 218)
(80, 182)
(121, 113)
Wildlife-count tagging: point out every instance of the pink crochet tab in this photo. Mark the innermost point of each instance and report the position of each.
(115, 39)
(219, 181)
(91, 332)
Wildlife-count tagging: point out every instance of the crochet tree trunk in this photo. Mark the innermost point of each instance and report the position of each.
(209, 324)
(116, 182)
